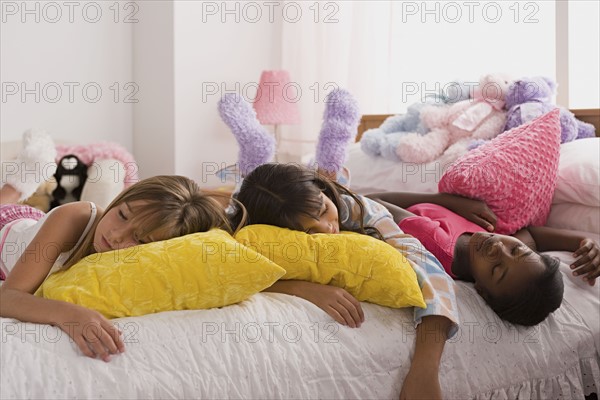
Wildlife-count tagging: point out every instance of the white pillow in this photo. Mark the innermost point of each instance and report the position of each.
(575, 217)
(578, 178)
(106, 179)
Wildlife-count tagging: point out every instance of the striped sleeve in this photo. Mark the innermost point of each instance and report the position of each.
(436, 285)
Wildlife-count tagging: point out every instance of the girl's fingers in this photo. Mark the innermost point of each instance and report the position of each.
(97, 346)
(352, 312)
(346, 311)
(83, 346)
(586, 246)
(108, 342)
(490, 217)
(482, 222)
(581, 261)
(114, 336)
(593, 275)
(357, 306)
(583, 269)
(333, 313)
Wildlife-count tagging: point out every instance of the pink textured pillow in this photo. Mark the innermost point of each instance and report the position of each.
(515, 173)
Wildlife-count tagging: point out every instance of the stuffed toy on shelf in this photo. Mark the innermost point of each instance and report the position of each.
(453, 128)
(529, 98)
(383, 141)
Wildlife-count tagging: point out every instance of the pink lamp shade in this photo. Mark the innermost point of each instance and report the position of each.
(276, 98)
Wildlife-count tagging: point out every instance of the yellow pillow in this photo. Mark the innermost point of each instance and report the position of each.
(369, 269)
(197, 271)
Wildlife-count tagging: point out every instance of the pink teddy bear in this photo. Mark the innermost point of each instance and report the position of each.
(452, 128)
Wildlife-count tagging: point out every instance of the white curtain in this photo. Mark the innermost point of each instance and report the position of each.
(328, 47)
(390, 54)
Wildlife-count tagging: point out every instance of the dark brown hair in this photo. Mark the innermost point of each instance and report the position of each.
(278, 194)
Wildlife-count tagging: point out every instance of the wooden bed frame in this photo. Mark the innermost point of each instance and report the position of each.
(591, 115)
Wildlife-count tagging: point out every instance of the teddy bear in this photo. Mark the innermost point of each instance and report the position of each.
(453, 128)
(383, 141)
(529, 98)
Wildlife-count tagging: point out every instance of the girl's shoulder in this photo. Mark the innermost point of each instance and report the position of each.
(74, 213)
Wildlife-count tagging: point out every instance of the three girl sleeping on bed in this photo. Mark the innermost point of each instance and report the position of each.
(519, 284)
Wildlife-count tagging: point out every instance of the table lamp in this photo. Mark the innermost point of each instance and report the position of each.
(275, 102)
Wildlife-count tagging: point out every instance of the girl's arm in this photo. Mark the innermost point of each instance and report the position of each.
(335, 301)
(398, 213)
(586, 251)
(59, 233)
(422, 381)
(548, 239)
(475, 211)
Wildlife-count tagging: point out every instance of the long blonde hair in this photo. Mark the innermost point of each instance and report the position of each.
(173, 204)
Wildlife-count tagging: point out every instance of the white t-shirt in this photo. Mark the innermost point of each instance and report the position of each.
(16, 236)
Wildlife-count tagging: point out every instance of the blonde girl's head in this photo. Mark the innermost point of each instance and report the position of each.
(163, 207)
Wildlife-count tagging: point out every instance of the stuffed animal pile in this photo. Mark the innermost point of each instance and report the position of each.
(384, 141)
(444, 126)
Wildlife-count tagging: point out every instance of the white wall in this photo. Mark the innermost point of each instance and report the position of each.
(179, 60)
(46, 48)
(216, 51)
(584, 54)
(154, 114)
(162, 49)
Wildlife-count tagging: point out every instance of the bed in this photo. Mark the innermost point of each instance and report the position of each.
(279, 346)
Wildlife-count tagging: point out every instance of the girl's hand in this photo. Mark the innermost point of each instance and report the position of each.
(588, 263)
(95, 336)
(475, 211)
(337, 302)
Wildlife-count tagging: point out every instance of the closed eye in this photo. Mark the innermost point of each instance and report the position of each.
(524, 250)
(324, 211)
(122, 215)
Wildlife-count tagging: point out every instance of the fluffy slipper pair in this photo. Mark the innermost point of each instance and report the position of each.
(257, 145)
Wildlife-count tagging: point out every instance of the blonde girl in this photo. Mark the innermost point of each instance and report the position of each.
(33, 244)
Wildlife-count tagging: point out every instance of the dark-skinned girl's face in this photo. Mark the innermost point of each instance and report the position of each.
(502, 265)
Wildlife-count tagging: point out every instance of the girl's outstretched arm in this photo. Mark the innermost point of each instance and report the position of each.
(475, 211)
(93, 333)
(422, 381)
(335, 301)
(585, 250)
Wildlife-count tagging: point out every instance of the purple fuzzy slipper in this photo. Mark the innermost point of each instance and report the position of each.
(257, 145)
(340, 123)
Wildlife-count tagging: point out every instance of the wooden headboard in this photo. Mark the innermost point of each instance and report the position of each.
(591, 115)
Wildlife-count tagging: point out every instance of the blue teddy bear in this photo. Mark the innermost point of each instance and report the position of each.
(384, 140)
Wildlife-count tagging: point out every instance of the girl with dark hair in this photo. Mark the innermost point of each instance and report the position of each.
(300, 198)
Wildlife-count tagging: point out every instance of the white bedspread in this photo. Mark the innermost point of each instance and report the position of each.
(278, 346)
